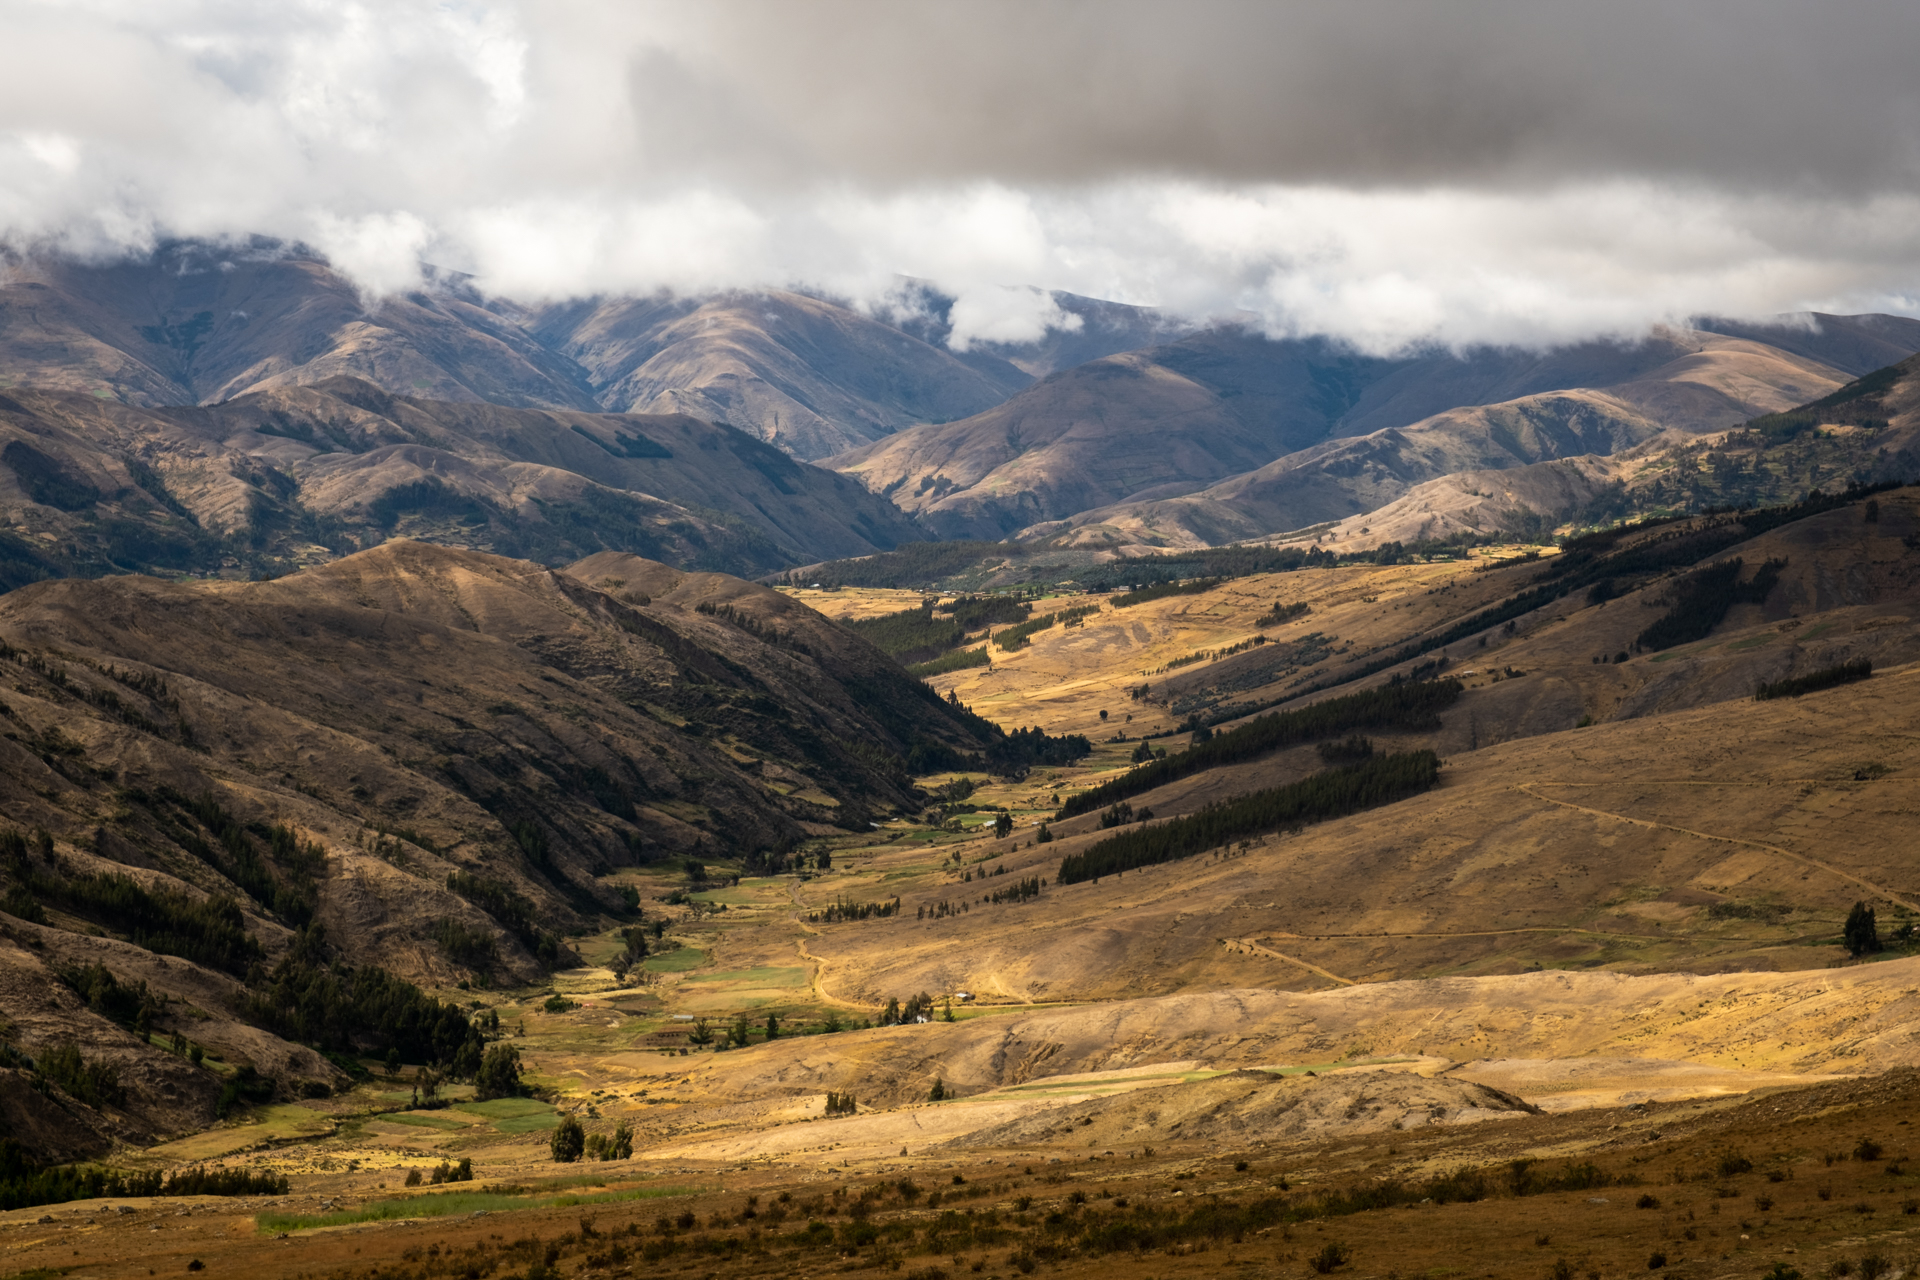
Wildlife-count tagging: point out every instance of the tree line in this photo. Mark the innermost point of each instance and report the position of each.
(1331, 793)
(1702, 600)
(358, 1010)
(1413, 707)
(209, 931)
(25, 1182)
(840, 911)
(1814, 681)
(1591, 558)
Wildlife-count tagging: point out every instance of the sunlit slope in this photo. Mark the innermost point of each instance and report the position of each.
(1712, 383)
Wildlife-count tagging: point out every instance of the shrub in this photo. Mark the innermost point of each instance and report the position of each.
(569, 1141)
(1330, 1258)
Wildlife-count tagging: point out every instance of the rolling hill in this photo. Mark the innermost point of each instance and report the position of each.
(272, 480)
(417, 758)
(1175, 432)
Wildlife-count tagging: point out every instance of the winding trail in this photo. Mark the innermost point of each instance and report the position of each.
(1801, 858)
(817, 965)
(1251, 945)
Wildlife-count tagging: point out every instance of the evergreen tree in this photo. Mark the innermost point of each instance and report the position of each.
(569, 1141)
(499, 1074)
(1862, 935)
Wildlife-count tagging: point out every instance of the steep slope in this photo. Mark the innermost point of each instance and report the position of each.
(809, 377)
(198, 323)
(1153, 425)
(418, 758)
(275, 479)
(1711, 383)
(1864, 433)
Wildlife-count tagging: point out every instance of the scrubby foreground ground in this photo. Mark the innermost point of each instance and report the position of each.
(1810, 1178)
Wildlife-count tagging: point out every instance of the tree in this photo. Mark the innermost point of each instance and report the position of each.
(1862, 936)
(569, 1141)
(702, 1032)
(620, 1145)
(939, 1091)
(499, 1074)
(1003, 826)
(773, 1027)
(1045, 836)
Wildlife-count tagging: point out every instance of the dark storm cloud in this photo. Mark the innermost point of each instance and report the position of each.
(1751, 94)
(1387, 173)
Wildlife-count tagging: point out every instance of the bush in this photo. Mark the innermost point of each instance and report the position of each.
(1330, 1258)
(569, 1141)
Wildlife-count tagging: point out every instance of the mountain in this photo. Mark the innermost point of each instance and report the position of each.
(199, 323)
(419, 758)
(275, 479)
(805, 375)
(1708, 382)
(1865, 433)
(1266, 419)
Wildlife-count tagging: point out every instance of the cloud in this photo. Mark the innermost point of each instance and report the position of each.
(1390, 173)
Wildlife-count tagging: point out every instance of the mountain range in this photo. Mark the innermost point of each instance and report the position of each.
(242, 410)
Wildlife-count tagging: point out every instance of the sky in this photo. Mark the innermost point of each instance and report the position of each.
(1390, 174)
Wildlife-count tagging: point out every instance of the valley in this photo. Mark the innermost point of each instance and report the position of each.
(734, 785)
(1606, 944)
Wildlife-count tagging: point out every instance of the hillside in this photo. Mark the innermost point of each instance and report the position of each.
(802, 374)
(437, 757)
(1271, 436)
(201, 323)
(1864, 432)
(1607, 941)
(276, 479)
(1711, 383)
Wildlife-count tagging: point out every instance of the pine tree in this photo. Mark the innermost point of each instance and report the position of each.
(1862, 936)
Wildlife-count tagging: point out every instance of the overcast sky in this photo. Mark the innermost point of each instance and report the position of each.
(1390, 173)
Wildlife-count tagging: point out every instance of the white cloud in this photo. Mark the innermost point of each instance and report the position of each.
(1389, 183)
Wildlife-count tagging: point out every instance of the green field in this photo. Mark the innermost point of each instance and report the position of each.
(678, 961)
(422, 1121)
(514, 1115)
(762, 977)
